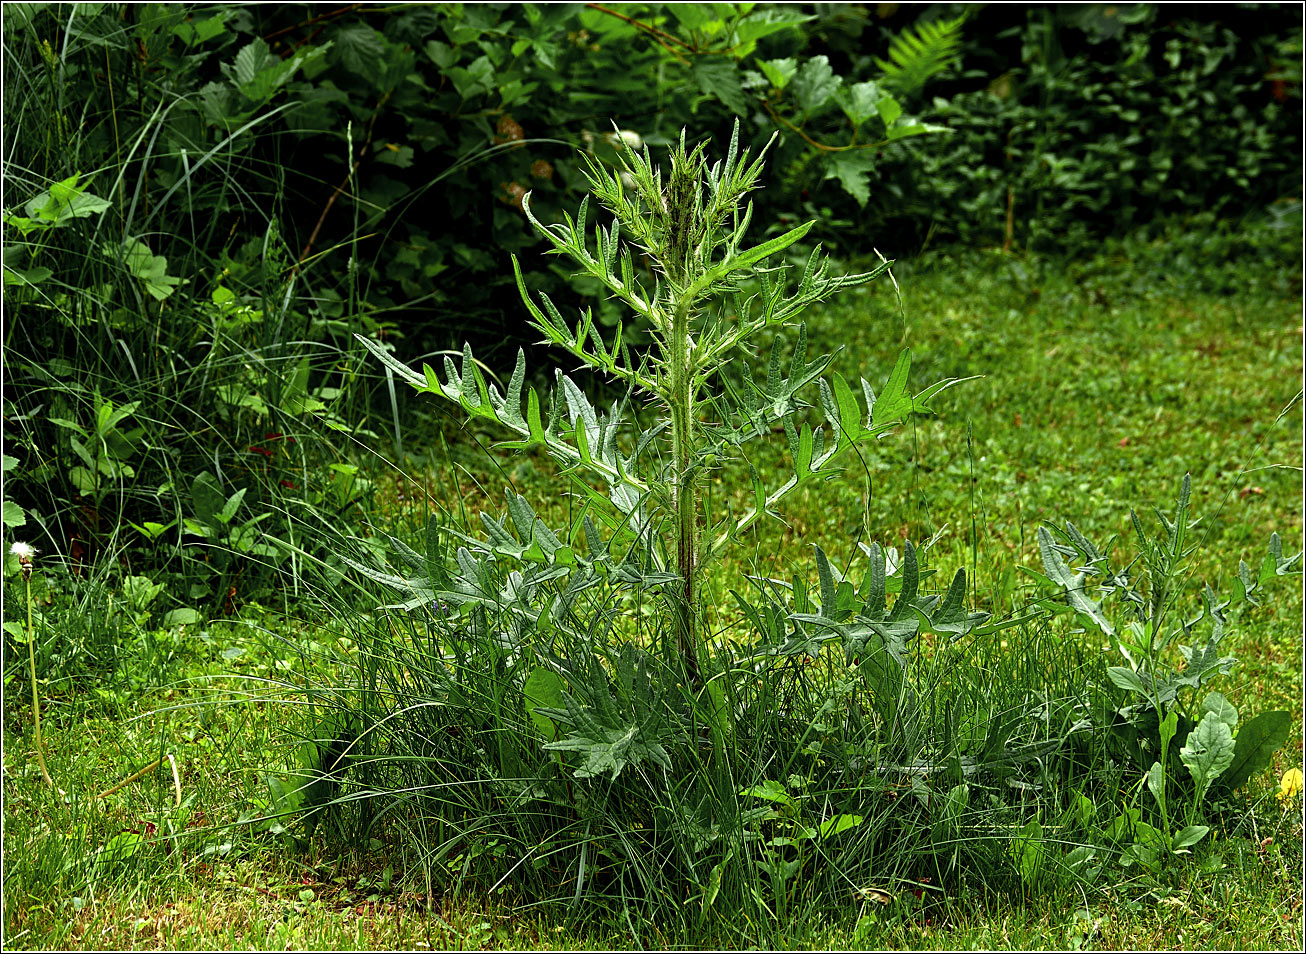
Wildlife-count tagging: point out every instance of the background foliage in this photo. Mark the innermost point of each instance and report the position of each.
(202, 204)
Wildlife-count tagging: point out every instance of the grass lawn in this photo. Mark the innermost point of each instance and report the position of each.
(1098, 386)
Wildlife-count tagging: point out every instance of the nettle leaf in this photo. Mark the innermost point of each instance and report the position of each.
(814, 84)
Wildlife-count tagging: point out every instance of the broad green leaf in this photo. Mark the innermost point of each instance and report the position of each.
(475, 79)
(714, 879)
(1222, 708)
(889, 111)
(1208, 752)
(363, 50)
(31, 276)
(719, 77)
(1189, 837)
(1029, 850)
(65, 200)
(545, 688)
(814, 84)
(779, 72)
(851, 168)
(761, 23)
(257, 72)
(183, 616)
(860, 100)
(231, 505)
(151, 269)
(441, 54)
(1126, 679)
(1167, 729)
(1156, 783)
(13, 514)
(1254, 747)
(770, 790)
(152, 530)
(193, 32)
(837, 824)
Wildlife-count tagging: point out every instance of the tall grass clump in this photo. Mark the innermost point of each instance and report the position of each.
(170, 364)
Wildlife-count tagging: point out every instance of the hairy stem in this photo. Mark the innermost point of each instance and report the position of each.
(681, 400)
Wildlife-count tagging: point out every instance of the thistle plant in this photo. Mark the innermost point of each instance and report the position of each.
(707, 297)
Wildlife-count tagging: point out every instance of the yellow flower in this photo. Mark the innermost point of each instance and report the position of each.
(1290, 785)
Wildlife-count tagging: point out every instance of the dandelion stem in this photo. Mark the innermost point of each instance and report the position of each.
(36, 696)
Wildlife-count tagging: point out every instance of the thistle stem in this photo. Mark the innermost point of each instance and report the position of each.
(682, 439)
(36, 696)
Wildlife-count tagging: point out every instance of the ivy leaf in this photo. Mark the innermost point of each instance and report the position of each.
(852, 168)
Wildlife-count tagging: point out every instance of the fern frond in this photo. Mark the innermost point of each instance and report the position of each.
(920, 53)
